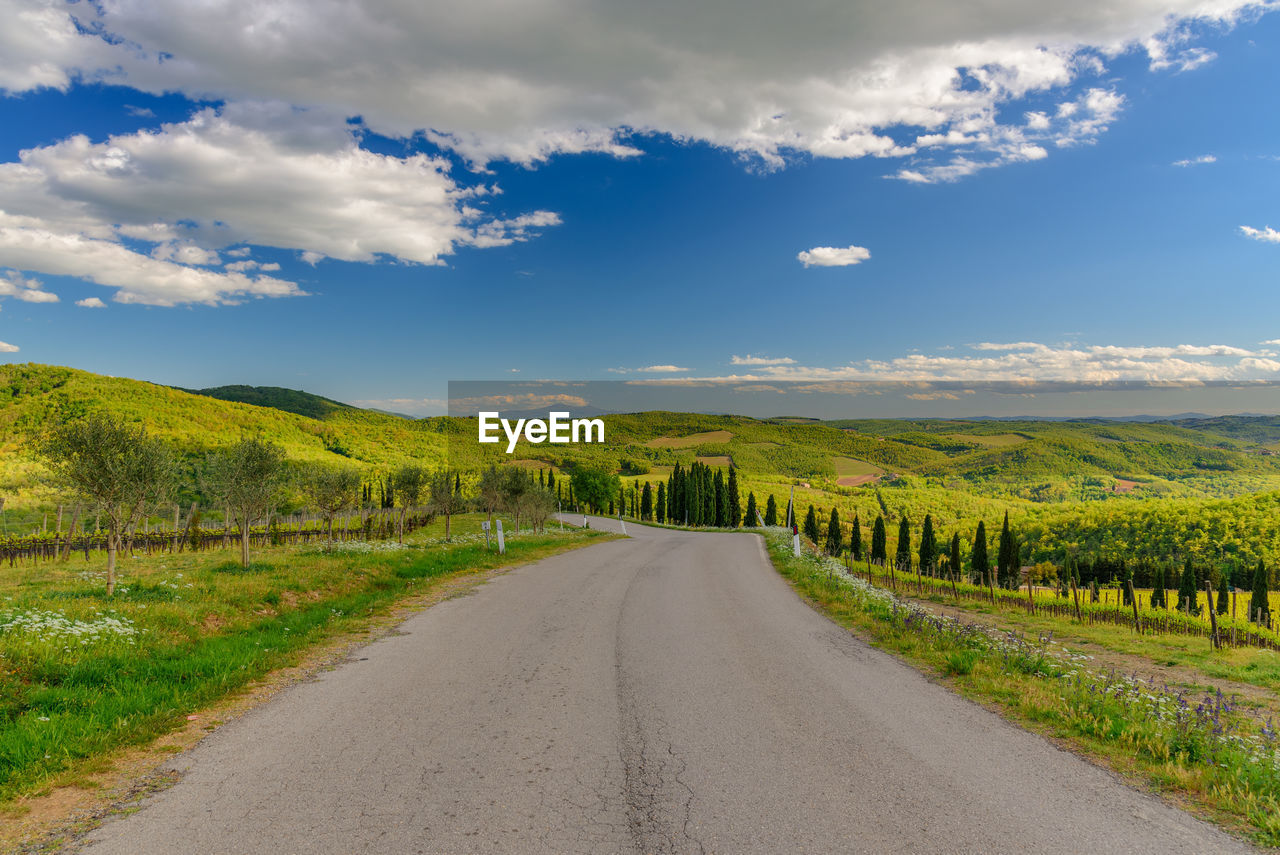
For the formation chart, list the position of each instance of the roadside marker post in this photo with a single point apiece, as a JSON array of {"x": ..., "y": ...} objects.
[
  {"x": 502, "y": 541},
  {"x": 485, "y": 525}
]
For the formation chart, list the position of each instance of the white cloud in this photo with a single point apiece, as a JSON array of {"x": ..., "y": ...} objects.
[
  {"x": 761, "y": 360},
  {"x": 1196, "y": 161},
  {"x": 91, "y": 303},
  {"x": 14, "y": 284},
  {"x": 1267, "y": 235},
  {"x": 831, "y": 256},
  {"x": 249, "y": 174},
  {"x": 493, "y": 79},
  {"x": 650, "y": 369},
  {"x": 1033, "y": 361},
  {"x": 5, "y": 347}
]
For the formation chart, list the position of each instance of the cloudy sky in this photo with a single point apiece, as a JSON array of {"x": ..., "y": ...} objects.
[{"x": 367, "y": 200}]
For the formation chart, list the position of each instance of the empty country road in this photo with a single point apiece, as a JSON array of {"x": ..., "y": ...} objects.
[{"x": 663, "y": 693}]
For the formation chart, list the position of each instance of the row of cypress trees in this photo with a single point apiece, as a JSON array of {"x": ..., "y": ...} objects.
[{"x": 701, "y": 496}]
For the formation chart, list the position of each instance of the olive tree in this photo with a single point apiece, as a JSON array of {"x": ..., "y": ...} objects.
[
  {"x": 248, "y": 478},
  {"x": 491, "y": 490},
  {"x": 445, "y": 500},
  {"x": 118, "y": 468},
  {"x": 331, "y": 489},
  {"x": 409, "y": 481}
]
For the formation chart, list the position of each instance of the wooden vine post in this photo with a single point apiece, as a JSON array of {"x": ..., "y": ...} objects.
[
  {"x": 1075, "y": 593},
  {"x": 1213, "y": 615},
  {"x": 1133, "y": 600}
]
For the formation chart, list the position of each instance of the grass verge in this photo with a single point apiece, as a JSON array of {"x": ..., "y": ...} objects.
[
  {"x": 82, "y": 676},
  {"x": 1208, "y": 751}
]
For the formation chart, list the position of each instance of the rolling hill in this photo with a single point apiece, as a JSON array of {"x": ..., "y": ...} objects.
[{"x": 1017, "y": 461}]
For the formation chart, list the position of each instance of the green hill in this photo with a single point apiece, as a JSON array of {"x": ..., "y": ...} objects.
[
  {"x": 289, "y": 400},
  {"x": 32, "y": 396},
  {"x": 1013, "y": 462}
]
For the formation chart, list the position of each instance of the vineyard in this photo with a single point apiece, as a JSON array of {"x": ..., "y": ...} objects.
[
  {"x": 290, "y": 531},
  {"x": 1112, "y": 607}
]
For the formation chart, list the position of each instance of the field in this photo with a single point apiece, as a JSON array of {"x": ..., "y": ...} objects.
[
  {"x": 711, "y": 436},
  {"x": 854, "y": 473},
  {"x": 82, "y": 676}
]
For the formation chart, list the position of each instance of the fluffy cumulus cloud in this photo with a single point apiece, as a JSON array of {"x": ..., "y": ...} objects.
[
  {"x": 523, "y": 81},
  {"x": 147, "y": 213},
  {"x": 91, "y": 303},
  {"x": 1266, "y": 235},
  {"x": 1032, "y": 361},
  {"x": 14, "y": 284},
  {"x": 5, "y": 347},
  {"x": 832, "y": 256}
]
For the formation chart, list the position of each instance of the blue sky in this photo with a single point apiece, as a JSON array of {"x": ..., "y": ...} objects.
[{"x": 1027, "y": 195}]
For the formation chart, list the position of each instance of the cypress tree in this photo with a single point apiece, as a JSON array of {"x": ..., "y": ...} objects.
[
  {"x": 928, "y": 546},
  {"x": 646, "y": 503},
  {"x": 722, "y": 500},
  {"x": 708, "y": 497},
  {"x": 457, "y": 483},
  {"x": 955, "y": 555},
  {"x": 902, "y": 557},
  {"x": 673, "y": 499},
  {"x": 855, "y": 539},
  {"x": 735, "y": 502},
  {"x": 749, "y": 518},
  {"x": 811, "y": 525},
  {"x": 542, "y": 479},
  {"x": 1224, "y": 592},
  {"x": 1187, "y": 589},
  {"x": 693, "y": 501},
  {"x": 661, "y": 506},
  {"x": 978, "y": 557},
  {"x": 771, "y": 511},
  {"x": 1259, "y": 607},
  {"x": 551, "y": 481},
  {"x": 1157, "y": 590},
  {"x": 879, "y": 548},
  {"x": 835, "y": 537},
  {"x": 1007, "y": 558}
]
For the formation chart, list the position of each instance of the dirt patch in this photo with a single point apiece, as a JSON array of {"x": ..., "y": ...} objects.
[
  {"x": 1123, "y": 486},
  {"x": 856, "y": 480}
]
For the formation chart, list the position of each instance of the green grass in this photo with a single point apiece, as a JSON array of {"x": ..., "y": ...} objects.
[
  {"x": 186, "y": 630},
  {"x": 1101, "y": 714}
]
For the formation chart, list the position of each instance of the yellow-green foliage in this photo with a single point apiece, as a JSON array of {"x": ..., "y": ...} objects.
[{"x": 32, "y": 396}]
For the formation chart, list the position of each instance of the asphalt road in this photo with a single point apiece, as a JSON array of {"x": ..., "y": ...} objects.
[{"x": 665, "y": 693}]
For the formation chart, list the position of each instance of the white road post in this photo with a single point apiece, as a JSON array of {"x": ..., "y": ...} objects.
[
  {"x": 795, "y": 544},
  {"x": 502, "y": 541},
  {"x": 560, "y": 514},
  {"x": 484, "y": 524}
]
